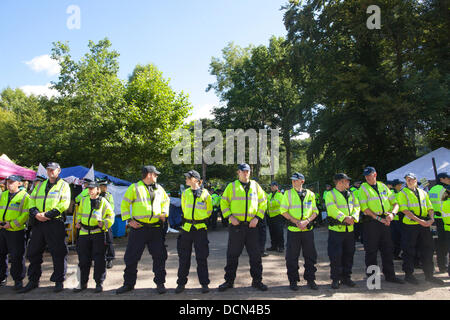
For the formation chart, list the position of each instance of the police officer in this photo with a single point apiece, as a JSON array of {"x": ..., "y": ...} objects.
[
  {"x": 328, "y": 188},
  {"x": 380, "y": 207},
  {"x": 48, "y": 203},
  {"x": 299, "y": 208},
  {"x": 196, "y": 204},
  {"x": 149, "y": 209},
  {"x": 396, "y": 225},
  {"x": 14, "y": 205},
  {"x": 342, "y": 212},
  {"x": 275, "y": 220},
  {"x": 83, "y": 193},
  {"x": 110, "y": 252},
  {"x": 216, "y": 208},
  {"x": 445, "y": 213},
  {"x": 244, "y": 203},
  {"x": 94, "y": 217},
  {"x": 357, "y": 227},
  {"x": 435, "y": 195},
  {"x": 417, "y": 208}
]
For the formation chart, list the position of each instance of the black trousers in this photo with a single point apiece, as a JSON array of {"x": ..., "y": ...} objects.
[
  {"x": 185, "y": 241},
  {"x": 447, "y": 239},
  {"x": 396, "y": 236},
  {"x": 358, "y": 229},
  {"x": 441, "y": 248},
  {"x": 377, "y": 237},
  {"x": 92, "y": 247},
  {"x": 52, "y": 234},
  {"x": 420, "y": 237},
  {"x": 238, "y": 237},
  {"x": 138, "y": 239},
  {"x": 297, "y": 241},
  {"x": 212, "y": 221},
  {"x": 262, "y": 230},
  {"x": 110, "y": 252},
  {"x": 12, "y": 243},
  {"x": 276, "y": 225},
  {"x": 341, "y": 249}
]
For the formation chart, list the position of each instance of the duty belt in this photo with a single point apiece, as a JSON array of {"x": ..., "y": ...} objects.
[
  {"x": 152, "y": 225},
  {"x": 291, "y": 224},
  {"x": 335, "y": 222},
  {"x": 194, "y": 221},
  {"x": 241, "y": 223},
  {"x": 90, "y": 228}
]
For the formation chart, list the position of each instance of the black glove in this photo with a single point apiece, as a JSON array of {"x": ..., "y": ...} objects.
[
  {"x": 33, "y": 212},
  {"x": 52, "y": 213}
]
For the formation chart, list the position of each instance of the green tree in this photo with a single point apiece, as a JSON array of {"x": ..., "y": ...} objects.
[
  {"x": 259, "y": 92},
  {"x": 154, "y": 111},
  {"x": 369, "y": 90}
]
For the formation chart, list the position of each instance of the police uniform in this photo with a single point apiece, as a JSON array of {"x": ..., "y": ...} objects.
[
  {"x": 245, "y": 202},
  {"x": 216, "y": 208},
  {"x": 396, "y": 226},
  {"x": 13, "y": 210},
  {"x": 197, "y": 208},
  {"x": 54, "y": 200},
  {"x": 445, "y": 213},
  {"x": 300, "y": 206},
  {"x": 341, "y": 240},
  {"x": 435, "y": 195},
  {"x": 110, "y": 252},
  {"x": 377, "y": 236},
  {"x": 357, "y": 226},
  {"x": 415, "y": 235},
  {"x": 275, "y": 220},
  {"x": 148, "y": 203},
  {"x": 91, "y": 244}
]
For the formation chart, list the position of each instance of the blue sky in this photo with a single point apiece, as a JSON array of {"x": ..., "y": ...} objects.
[{"x": 179, "y": 37}]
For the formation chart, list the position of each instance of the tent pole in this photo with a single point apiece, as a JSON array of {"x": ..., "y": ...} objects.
[{"x": 435, "y": 170}]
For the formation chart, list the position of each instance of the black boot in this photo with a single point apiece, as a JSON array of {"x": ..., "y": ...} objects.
[
  {"x": 124, "y": 288},
  {"x": 30, "y": 286},
  {"x": 226, "y": 285},
  {"x": 59, "y": 286},
  {"x": 259, "y": 285},
  {"x": 81, "y": 288}
]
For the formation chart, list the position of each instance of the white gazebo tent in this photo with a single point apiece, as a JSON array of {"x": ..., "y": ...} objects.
[{"x": 423, "y": 166}]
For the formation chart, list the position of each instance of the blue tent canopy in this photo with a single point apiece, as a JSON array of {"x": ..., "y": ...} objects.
[{"x": 80, "y": 172}]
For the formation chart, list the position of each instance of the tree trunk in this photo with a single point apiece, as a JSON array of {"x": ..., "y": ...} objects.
[{"x": 287, "y": 144}]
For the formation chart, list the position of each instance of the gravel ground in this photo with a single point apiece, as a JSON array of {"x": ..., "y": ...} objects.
[{"x": 274, "y": 276}]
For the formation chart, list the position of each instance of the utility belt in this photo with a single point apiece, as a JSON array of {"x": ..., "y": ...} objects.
[
  {"x": 191, "y": 221},
  {"x": 424, "y": 218},
  {"x": 241, "y": 223},
  {"x": 90, "y": 228},
  {"x": 33, "y": 221},
  {"x": 157, "y": 224},
  {"x": 401, "y": 215},
  {"x": 335, "y": 222},
  {"x": 308, "y": 226},
  {"x": 366, "y": 218},
  {"x": 382, "y": 216}
]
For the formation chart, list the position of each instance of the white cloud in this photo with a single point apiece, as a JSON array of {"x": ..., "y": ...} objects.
[
  {"x": 44, "y": 63},
  {"x": 44, "y": 90}
]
